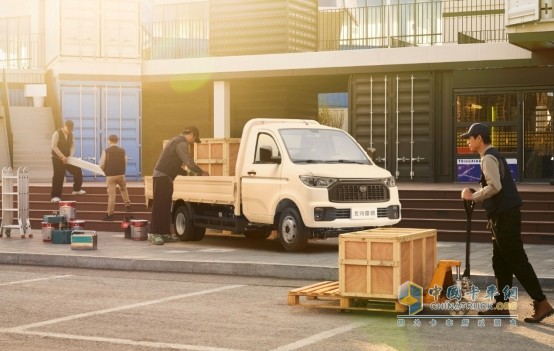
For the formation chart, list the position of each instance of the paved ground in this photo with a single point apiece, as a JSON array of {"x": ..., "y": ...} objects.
[
  {"x": 67, "y": 309},
  {"x": 234, "y": 255}
]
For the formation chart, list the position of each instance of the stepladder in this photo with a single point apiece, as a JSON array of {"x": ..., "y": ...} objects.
[{"x": 15, "y": 202}]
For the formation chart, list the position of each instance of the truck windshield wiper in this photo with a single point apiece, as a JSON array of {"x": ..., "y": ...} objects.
[
  {"x": 345, "y": 161},
  {"x": 308, "y": 161}
]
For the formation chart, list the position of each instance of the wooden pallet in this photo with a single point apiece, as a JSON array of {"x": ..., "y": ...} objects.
[{"x": 326, "y": 295}]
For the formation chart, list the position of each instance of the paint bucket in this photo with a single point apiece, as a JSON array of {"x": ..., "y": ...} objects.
[
  {"x": 76, "y": 224},
  {"x": 139, "y": 229},
  {"x": 68, "y": 209},
  {"x": 47, "y": 231},
  {"x": 126, "y": 226}
]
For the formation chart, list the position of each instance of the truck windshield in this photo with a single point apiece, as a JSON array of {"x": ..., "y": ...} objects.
[{"x": 322, "y": 146}]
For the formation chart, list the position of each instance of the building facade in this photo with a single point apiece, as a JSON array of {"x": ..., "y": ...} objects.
[{"x": 416, "y": 73}]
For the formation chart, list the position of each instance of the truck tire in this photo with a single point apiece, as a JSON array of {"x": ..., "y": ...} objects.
[
  {"x": 292, "y": 232},
  {"x": 258, "y": 233},
  {"x": 184, "y": 227}
]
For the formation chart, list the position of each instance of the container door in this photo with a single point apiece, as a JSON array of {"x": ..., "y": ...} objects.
[{"x": 99, "y": 111}]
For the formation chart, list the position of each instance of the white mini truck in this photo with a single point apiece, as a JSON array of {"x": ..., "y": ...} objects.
[{"x": 297, "y": 177}]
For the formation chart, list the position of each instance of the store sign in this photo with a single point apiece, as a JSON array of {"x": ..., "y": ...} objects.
[{"x": 468, "y": 170}]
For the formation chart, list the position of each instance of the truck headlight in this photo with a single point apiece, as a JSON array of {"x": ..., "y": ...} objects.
[
  {"x": 317, "y": 182},
  {"x": 390, "y": 181}
]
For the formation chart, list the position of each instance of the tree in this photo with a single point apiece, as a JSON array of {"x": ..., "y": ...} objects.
[{"x": 330, "y": 117}]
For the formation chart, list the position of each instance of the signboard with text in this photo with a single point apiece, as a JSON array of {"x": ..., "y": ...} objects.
[{"x": 468, "y": 170}]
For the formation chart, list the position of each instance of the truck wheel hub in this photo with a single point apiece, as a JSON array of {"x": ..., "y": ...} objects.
[{"x": 289, "y": 229}]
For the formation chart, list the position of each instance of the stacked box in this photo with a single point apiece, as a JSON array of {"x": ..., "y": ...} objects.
[
  {"x": 84, "y": 240},
  {"x": 375, "y": 263},
  {"x": 62, "y": 236},
  {"x": 55, "y": 219}
]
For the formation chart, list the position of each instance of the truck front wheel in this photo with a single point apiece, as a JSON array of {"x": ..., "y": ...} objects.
[
  {"x": 293, "y": 234},
  {"x": 184, "y": 226}
]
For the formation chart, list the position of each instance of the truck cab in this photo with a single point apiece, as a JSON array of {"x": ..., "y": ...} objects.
[{"x": 311, "y": 180}]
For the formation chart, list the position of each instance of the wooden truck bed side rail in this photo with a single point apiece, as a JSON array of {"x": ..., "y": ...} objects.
[{"x": 219, "y": 190}]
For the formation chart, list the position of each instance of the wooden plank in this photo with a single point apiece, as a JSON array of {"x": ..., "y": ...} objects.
[
  {"x": 326, "y": 295},
  {"x": 308, "y": 287}
]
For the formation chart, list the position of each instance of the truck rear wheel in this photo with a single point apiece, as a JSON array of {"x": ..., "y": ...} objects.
[
  {"x": 293, "y": 234},
  {"x": 184, "y": 225}
]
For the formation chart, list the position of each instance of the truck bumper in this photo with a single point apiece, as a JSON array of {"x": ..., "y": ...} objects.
[{"x": 363, "y": 215}]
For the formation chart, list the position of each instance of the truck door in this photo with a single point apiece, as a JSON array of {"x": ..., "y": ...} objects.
[{"x": 261, "y": 179}]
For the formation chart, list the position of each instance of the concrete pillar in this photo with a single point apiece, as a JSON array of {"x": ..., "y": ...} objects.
[{"x": 222, "y": 109}]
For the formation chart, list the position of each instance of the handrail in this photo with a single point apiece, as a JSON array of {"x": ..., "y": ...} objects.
[
  {"x": 52, "y": 99},
  {"x": 6, "y": 103}
]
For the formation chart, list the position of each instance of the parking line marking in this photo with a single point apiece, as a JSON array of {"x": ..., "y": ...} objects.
[
  {"x": 159, "y": 345},
  {"x": 35, "y": 280},
  {"x": 319, "y": 337},
  {"x": 120, "y": 308}
]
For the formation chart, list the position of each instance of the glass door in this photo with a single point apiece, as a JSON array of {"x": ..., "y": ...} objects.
[
  {"x": 538, "y": 148},
  {"x": 500, "y": 113}
]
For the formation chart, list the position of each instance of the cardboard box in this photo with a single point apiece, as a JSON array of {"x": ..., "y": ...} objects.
[
  {"x": 61, "y": 236},
  {"x": 84, "y": 240},
  {"x": 374, "y": 263}
]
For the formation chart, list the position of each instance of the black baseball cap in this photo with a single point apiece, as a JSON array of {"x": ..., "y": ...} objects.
[
  {"x": 194, "y": 131},
  {"x": 477, "y": 129}
]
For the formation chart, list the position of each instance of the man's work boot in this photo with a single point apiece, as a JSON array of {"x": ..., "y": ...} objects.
[
  {"x": 157, "y": 239},
  {"x": 169, "y": 238},
  {"x": 495, "y": 311},
  {"x": 541, "y": 310}
]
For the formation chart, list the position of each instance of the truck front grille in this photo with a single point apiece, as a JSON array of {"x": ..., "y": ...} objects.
[{"x": 358, "y": 192}]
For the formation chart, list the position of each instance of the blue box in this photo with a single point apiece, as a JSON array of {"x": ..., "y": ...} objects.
[{"x": 61, "y": 236}]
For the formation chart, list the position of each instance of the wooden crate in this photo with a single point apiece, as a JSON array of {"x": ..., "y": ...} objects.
[
  {"x": 374, "y": 263},
  {"x": 217, "y": 156}
]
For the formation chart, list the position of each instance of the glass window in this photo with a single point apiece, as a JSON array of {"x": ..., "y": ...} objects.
[
  {"x": 266, "y": 144},
  {"x": 498, "y": 111},
  {"x": 322, "y": 146},
  {"x": 538, "y": 149},
  {"x": 486, "y": 108}
]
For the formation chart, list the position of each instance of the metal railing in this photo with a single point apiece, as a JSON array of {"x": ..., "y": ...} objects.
[
  {"x": 21, "y": 51},
  {"x": 386, "y": 26}
]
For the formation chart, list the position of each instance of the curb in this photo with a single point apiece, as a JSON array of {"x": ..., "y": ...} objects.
[
  {"x": 196, "y": 267},
  {"x": 263, "y": 270}
]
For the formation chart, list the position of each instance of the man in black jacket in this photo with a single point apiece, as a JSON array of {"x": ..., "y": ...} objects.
[
  {"x": 174, "y": 154},
  {"x": 502, "y": 202},
  {"x": 113, "y": 161},
  {"x": 63, "y": 146}
]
